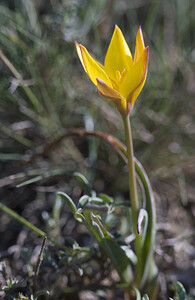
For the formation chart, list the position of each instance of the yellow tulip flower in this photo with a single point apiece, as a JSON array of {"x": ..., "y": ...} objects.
[{"x": 122, "y": 78}]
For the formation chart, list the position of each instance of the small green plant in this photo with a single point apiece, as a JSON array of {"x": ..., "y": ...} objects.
[
  {"x": 120, "y": 80},
  {"x": 12, "y": 287}
]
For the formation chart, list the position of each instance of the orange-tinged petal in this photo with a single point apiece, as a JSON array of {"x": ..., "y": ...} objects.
[
  {"x": 136, "y": 93},
  {"x": 112, "y": 95},
  {"x": 139, "y": 48},
  {"x": 135, "y": 75},
  {"x": 107, "y": 91},
  {"x": 118, "y": 56},
  {"x": 80, "y": 55},
  {"x": 93, "y": 68}
]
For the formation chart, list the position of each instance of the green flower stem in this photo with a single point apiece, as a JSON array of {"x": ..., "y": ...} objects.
[{"x": 133, "y": 196}]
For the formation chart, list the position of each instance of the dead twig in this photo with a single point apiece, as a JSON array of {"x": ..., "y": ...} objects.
[{"x": 38, "y": 264}]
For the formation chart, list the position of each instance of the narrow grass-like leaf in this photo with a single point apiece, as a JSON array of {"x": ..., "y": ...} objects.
[
  {"x": 29, "y": 181},
  {"x": 32, "y": 227},
  {"x": 45, "y": 174},
  {"x": 19, "y": 138},
  {"x": 26, "y": 89}
]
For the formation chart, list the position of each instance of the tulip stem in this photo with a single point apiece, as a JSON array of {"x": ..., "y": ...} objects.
[{"x": 133, "y": 196}]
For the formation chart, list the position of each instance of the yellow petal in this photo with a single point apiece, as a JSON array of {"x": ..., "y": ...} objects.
[
  {"x": 81, "y": 59},
  {"x": 135, "y": 75},
  {"x": 93, "y": 68},
  {"x": 139, "y": 48},
  {"x": 136, "y": 93},
  {"x": 118, "y": 56},
  {"x": 80, "y": 55},
  {"x": 112, "y": 95}
]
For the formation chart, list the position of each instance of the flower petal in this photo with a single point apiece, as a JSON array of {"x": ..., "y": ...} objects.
[
  {"x": 139, "y": 48},
  {"x": 80, "y": 55},
  {"x": 135, "y": 75},
  {"x": 118, "y": 56},
  {"x": 112, "y": 95},
  {"x": 136, "y": 93},
  {"x": 93, "y": 68}
]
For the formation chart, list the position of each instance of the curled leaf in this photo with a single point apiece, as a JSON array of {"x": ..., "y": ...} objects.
[
  {"x": 68, "y": 201},
  {"x": 142, "y": 214},
  {"x": 84, "y": 183},
  {"x": 83, "y": 201},
  {"x": 180, "y": 290}
]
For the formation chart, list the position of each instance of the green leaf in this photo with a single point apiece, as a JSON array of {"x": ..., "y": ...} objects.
[
  {"x": 106, "y": 198},
  {"x": 40, "y": 293},
  {"x": 96, "y": 200},
  {"x": 142, "y": 215},
  {"x": 79, "y": 217},
  {"x": 118, "y": 257},
  {"x": 96, "y": 220},
  {"x": 84, "y": 183},
  {"x": 149, "y": 267},
  {"x": 130, "y": 254},
  {"x": 180, "y": 290},
  {"x": 112, "y": 249},
  {"x": 44, "y": 174},
  {"x": 145, "y": 297},
  {"x": 83, "y": 201},
  {"x": 137, "y": 294},
  {"x": 81, "y": 178},
  {"x": 68, "y": 201}
]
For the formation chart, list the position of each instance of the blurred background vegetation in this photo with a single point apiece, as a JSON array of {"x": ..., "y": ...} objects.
[{"x": 44, "y": 91}]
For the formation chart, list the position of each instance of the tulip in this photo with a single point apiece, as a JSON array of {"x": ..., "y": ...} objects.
[{"x": 122, "y": 77}]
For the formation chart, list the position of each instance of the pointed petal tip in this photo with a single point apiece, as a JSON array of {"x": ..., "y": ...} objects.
[
  {"x": 77, "y": 44},
  {"x": 140, "y": 32},
  {"x": 117, "y": 29},
  {"x": 100, "y": 80}
]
